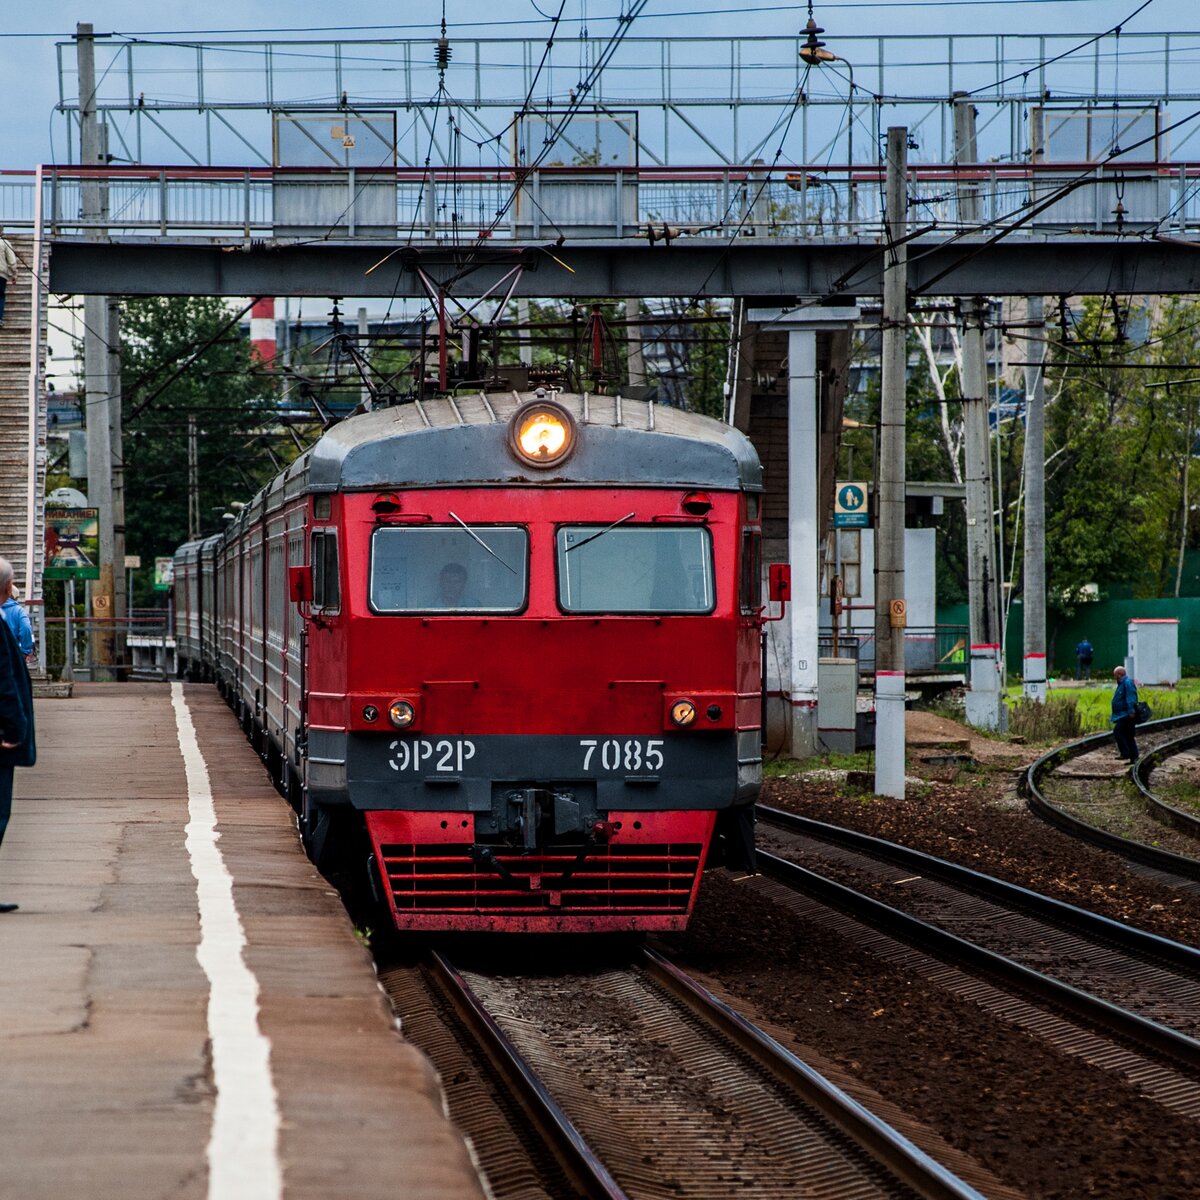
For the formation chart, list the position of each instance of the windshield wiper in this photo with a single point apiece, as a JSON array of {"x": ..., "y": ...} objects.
[
  {"x": 483, "y": 543},
  {"x": 599, "y": 532}
]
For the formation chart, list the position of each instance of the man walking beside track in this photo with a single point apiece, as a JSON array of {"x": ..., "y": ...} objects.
[
  {"x": 17, "y": 745},
  {"x": 1124, "y": 705}
]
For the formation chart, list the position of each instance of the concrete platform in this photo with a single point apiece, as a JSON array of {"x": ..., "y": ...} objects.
[{"x": 118, "y": 1076}]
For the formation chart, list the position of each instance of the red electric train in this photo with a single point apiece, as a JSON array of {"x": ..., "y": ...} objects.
[{"x": 519, "y": 635}]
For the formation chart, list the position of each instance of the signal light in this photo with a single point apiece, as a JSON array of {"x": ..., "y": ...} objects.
[
  {"x": 370, "y": 712},
  {"x": 542, "y": 434},
  {"x": 683, "y": 713},
  {"x": 401, "y": 714}
]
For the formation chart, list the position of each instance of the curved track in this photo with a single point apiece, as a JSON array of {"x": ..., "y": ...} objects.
[
  {"x": 643, "y": 1084},
  {"x": 1184, "y": 866},
  {"x": 1181, "y": 819},
  {"x": 1142, "y": 990}
]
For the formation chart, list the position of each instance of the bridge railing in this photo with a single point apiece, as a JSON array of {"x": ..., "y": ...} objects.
[{"x": 830, "y": 202}]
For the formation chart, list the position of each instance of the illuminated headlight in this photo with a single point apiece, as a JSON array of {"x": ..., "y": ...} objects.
[
  {"x": 543, "y": 434},
  {"x": 683, "y": 713},
  {"x": 402, "y": 714}
]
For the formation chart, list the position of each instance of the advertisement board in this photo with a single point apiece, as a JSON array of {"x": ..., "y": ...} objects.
[
  {"x": 164, "y": 574},
  {"x": 72, "y": 543}
]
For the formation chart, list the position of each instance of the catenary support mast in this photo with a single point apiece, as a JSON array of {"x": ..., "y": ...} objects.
[
  {"x": 1034, "y": 588},
  {"x": 890, "y": 609}
]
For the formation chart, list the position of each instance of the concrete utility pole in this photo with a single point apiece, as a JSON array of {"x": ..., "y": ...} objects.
[
  {"x": 1034, "y": 589},
  {"x": 101, "y": 339},
  {"x": 985, "y": 706},
  {"x": 193, "y": 479},
  {"x": 633, "y": 341},
  {"x": 364, "y": 329},
  {"x": 890, "y": 607},
  {"x": 524, "y": 338}
]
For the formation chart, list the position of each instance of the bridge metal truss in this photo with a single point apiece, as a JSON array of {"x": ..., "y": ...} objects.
[
  {"x": 700, "y": 100},
  {"x": 1079, "y": 185}
]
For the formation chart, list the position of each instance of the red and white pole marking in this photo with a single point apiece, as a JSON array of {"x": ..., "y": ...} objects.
[{"x": 262, "y": 329}]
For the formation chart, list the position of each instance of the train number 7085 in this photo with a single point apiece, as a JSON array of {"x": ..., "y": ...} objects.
[{"x": 629, "y": 754}]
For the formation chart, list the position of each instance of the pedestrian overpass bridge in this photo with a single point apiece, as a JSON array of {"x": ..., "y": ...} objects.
[{"x": 1115, "y": 227}]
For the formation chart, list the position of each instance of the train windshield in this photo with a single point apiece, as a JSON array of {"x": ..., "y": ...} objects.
[
  {"x": 450, "y": 569},
  {"x": 619, "y": 568}
]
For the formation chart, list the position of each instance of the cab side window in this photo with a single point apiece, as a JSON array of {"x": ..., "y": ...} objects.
[
  {"x": 326, "y": 589},
  {"x": 751, "y": 577}
]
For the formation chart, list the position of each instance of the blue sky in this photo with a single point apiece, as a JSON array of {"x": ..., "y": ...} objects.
[{"x": 28, "y": 72}]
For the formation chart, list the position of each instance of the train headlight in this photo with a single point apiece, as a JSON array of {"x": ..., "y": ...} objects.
[
  {"x": 401, "y": 714},
  {"x": 683, "y": 713},
  {"x": 542, "y": 434}
]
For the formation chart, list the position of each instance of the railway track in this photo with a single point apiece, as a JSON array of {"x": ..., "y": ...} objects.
[
  {"x": 1130, "y": 1000},
  {"x": 640, "y": 1083},
  {"x": 1080, "y": 789},
  {"x": 1187, "y": 821}
]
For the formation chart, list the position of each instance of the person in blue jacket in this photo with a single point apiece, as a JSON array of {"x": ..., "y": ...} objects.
[
  {"x": 1083, "y": 660},
  {"x": 18, "y": 747},
  {"x": 1124, "y": 702},
  {"x": 14, "y": 613}
]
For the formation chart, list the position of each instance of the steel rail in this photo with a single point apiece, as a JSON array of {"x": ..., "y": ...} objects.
[
  {"x": 1178, "y": 1048},
  {"x": 1054, "y": 912},
  {"x": 585, "y": 1170},
  {"x": 1031, "y": 780},
  {"x": 889, "y": 1148},
  {"x": 1183, "y": 820}
]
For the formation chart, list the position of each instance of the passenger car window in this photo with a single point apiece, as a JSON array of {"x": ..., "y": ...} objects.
[
  {"x": 638, "y": 569},
  {"x": 441, "y": 568}
]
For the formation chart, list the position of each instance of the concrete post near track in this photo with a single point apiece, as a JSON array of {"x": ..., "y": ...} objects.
[
  {"x": 799, "y": 677},
  {"x": 890, "y": 608},
  {"x": 1033, "y": 592}
]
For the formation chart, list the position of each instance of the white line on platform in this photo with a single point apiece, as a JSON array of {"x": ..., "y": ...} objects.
[{"x": 243, "y": 1148}]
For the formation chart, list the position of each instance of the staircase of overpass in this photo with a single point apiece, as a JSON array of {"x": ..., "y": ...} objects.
[{"x": 22, "y": 425}]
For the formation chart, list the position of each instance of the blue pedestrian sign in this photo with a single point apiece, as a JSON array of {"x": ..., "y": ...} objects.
[{"x": 850, "y": 507}]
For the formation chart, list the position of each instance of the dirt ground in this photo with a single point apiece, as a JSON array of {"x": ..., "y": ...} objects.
[
  {"x": 1045, "y": 1123},
  {"x": 971, "y": 813},
  {"x": 926, "y": 732}
]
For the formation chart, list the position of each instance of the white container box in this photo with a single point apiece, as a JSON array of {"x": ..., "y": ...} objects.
[{"x": 1153, "y": 656}]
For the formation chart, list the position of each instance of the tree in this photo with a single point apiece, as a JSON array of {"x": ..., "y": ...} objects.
[
  {"x": 1117, "y": 444},
  {"x": 933, "y": 435},
  {"x": 230, "y": 397}
]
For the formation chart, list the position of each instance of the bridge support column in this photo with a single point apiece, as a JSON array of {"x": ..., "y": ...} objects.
[{"x": 799, "y": 674}]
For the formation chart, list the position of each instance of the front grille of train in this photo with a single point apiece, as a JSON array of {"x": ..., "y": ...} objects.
[{"x": 642, "y": 878}]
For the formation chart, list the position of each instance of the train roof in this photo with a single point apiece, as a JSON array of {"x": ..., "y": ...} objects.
[{"x": 456, "y": 439}]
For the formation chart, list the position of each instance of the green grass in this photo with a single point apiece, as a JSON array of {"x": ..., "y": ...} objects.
[
  {"x": 779, "y": 768},
  {"x": 1094, "y": 703}
]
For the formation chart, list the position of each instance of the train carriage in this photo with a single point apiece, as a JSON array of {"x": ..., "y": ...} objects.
[{"x": 519, "y": 638}]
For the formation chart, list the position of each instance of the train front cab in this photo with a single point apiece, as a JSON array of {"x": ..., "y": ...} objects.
[{"x": 542, "y": 698}]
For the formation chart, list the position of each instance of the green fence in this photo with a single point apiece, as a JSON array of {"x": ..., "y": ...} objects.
[{"x": 1104, "y": 624}]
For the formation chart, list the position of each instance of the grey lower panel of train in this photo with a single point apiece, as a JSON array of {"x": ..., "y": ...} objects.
[{"x": 589, "y": 776}]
